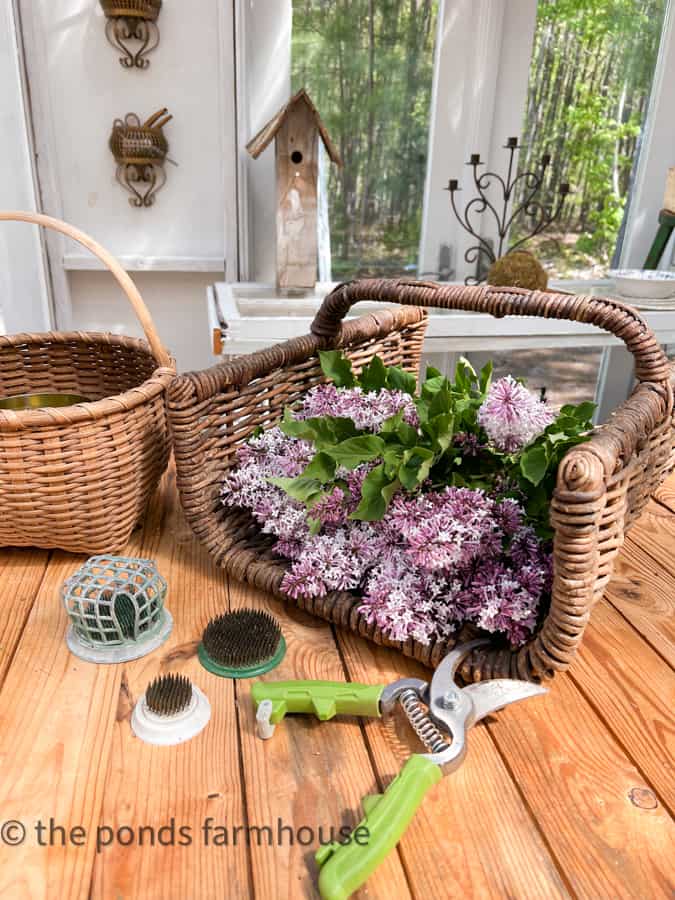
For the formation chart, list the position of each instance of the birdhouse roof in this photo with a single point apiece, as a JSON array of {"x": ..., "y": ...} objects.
[{"x": 258, "y": 143}]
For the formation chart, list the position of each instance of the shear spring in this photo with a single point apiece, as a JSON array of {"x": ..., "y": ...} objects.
[{"x": 424, "y": 728}]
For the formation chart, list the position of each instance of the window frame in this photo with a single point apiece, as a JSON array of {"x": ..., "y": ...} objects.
[{"x": 481, "y": 68}]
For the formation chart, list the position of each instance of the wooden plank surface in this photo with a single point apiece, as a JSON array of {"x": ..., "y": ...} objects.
[
  {"x": 310, "y": 773},
  {"x": 473, "y": 834},
  {"x": 21, "y": 572},
  {"x": 180, "y": 787},
  {"x": 633, "y": 692},
  {"x": 565, "y": 795},
  {"x": 610, "y": 835},
  {"x": 55, "y": 739},
  {"x": 643, "y": 584}
]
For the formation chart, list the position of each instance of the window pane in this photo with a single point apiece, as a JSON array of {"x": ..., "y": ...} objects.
[
  {"x": 368, "y": 68},
  {"x": 592, "y": 67}
]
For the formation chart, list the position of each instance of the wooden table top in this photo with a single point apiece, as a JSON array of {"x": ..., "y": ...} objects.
[{"x": 567, "y": 795}]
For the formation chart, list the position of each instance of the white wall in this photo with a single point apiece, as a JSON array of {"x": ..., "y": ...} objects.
[
  {"x": 176, "y": 300},
  {"x": 24, "y": 295},
  {"x": 78, "y": 88}
]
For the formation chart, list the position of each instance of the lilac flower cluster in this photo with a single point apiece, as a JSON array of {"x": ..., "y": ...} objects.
[
  {"x": 367, "y": 409},
  {"x": 511, "y": 416},
  {"x": 437, "y": 558}
]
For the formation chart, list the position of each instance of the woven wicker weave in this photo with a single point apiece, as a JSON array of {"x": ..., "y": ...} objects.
[
  {"x": 78, "y": 477},
  {"x": 142, "y": 9},
  {"x": 602, "y": 485},
  {"x": 135, "y": 144}
]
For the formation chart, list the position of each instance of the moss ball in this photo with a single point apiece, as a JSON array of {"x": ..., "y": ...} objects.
[{"x": 518, "y": 269}]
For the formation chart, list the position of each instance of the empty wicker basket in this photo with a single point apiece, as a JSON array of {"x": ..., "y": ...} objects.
[
  {"x": 602, "y": 484},
  {"x": 78, "y": 477}
]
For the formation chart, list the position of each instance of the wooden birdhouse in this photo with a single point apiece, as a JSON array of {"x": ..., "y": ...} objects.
[{"x": 296, "y": 130}]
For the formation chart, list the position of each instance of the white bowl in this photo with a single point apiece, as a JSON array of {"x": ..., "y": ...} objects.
[{"x": 647, "y": 284}]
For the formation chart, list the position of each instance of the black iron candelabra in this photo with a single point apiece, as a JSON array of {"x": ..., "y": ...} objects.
[{"x": 541, "y": 214}]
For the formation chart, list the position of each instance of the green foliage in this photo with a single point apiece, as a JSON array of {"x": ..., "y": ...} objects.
[
  {"x": 590, "y": 77},
  {"x": 368, "y": 67},
  {"x": 408, "y": 457},
  {"x": 539, "y": 462}
]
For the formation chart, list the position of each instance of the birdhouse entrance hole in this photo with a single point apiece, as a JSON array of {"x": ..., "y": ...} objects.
[{"x": 296, "y": 157}]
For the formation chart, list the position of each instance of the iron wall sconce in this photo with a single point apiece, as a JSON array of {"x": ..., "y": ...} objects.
[
  {"x": 132, "y": 22},
  {"x": 140, "y": 151}
]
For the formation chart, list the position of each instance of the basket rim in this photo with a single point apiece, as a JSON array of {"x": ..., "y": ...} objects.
[{"x": 152, "y": 387}]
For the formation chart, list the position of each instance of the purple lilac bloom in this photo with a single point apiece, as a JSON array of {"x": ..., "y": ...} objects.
[
  {"x": 468, "y": 444},
  {"x": 496, "y": 600},
  {"x": 511, "y": 416},
  {"x": 437, "y": 559},
  {"x": 367, "y": 410}
]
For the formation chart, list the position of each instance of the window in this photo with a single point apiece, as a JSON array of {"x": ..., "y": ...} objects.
[
  {"x": 368, "y": 67},
  {"x": 590, "y": 78}
]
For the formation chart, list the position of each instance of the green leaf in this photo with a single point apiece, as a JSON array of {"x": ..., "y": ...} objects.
[
  {"x": 320, "y": 430},
  {"x": 314, "y": 525},
  {"x": 584, "y": 411},
  {"x": 354, "y": 451},
  {"x": 441, "y": 429},
  {"x": 301, "y": 488},
  {"x": 442, "y": 403},
  {"x": 322, "y": 467},
  {"x": 374, "y": 375},
  {"x": 432, "y": 385},
  {"x": 376, "y": 493},
  {"x": 533, "y": 464},
  {"x": 398, "y": 380},
  {"x": 432, "y": 372},
  {"x": 485, "y": 377},
  {"x": 465, "y": 374},
  {"x": 416, "y": 467},
  {"x": 393, "y": 457},
  {"x": 337, "y": 367}
]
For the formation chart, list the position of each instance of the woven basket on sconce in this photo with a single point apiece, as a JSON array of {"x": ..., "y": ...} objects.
[
  {"x": 139, "y": 9},
  {"x": 135, "y": 144}
]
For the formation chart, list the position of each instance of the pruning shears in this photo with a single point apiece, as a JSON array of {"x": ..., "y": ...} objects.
[{"x": 440, "y": 712}]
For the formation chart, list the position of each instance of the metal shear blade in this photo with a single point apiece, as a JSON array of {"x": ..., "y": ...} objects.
[{"x": 455, "y": 710}]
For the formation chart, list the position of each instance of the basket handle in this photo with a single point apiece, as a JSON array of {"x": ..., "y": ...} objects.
[
  {"x": 158, "y": 350},
  {"x": 651, "y": 363}
]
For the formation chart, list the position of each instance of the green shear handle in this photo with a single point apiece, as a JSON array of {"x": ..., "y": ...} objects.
[
  {"x": 450, "y": 712},
  {"x": 324, "y": 699},
  {"x": 345, "y": 867}
]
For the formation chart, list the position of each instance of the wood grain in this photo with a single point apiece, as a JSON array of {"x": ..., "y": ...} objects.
[
  {"x": 563, "y": 795},
  {"x": 633, "y": 692},
  {"x": 643, "y": 590},
  {"x": 609, "y": 833},
  {"x": 310, "y": 773},
  {"x": 21, "y": 572},
  {"x": 665, "y": 493},
  {"x": 155, "y": 787},
  {"x": 55, "y": 737},
  {"x": 473, "y": 835},
  {"x": 297, "y": 240}
]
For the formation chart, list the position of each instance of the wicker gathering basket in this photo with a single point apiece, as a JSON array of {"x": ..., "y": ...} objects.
[
  {"x": 78, "y": 477},
  {"x": 601, "y": 485}
]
